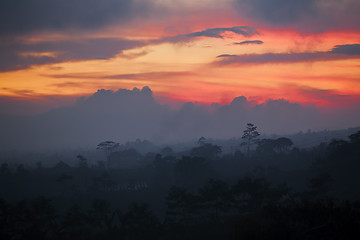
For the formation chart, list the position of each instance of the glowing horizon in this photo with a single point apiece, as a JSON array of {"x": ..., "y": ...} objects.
[{"x": 203, "y": 52}]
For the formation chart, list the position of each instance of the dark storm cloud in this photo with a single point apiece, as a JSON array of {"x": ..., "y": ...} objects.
[
  {"x": 26, "y": 16},
  {"x": 16, "y": 55},
  {"x": 338, "y": 52},
  {"x": 305, "y": 15},
  {"x": 249, "y": 42}
]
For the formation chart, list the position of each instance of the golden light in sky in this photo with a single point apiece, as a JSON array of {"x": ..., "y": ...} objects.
[{"x": 185, "y": 51}]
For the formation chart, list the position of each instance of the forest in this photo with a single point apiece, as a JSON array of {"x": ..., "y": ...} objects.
[{"x": 265, "y": 188}]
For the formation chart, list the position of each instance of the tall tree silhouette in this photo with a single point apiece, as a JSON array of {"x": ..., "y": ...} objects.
[
  {"x": 250, "y": 136},
  {"x": 283, "y": 144},
  {"x": 108, "y": 147},
  {"x": 215, "y": 197},
  {"x": 82, "y": 161}
]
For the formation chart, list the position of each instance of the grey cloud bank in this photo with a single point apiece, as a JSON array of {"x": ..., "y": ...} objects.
[
  {"x": 305, "y": 15},
  {"x": 130, "y": 114},
  {"x": 26, "y": 16}
]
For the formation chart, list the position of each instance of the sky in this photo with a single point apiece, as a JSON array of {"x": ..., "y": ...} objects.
[{"x": 302, "y": 52}]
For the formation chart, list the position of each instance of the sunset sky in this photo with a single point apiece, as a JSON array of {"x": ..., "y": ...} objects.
[{"x": 303, "y": 51}]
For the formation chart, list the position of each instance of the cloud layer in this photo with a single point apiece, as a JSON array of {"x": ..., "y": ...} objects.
[
  {"x": 18, "y": 55},
  {"x": 22, "y": 17},
  {"x": 305, "y": 15}
]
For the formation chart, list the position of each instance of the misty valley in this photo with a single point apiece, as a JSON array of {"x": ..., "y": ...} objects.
[{"x": 253, "y": 187}]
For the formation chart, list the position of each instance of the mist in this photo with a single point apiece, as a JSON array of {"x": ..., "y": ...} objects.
[{"x": 126, "y": 115}]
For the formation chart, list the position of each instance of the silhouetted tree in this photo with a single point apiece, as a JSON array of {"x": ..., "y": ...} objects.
[
  {"x": 266, "y": 147},
  {"x": 103, "y": 182},
  {"x": 4, "y": 168},
  {"x": 39, "y": 165},
  {"x": 101, "y": 165},
  {"x": 74, "y": 224},
  {"x": 283, "y": 144},
  {"x": 20, "y": 169},
  {"x": 139, "y": 222},
  {"x": 35, "y": 219},
  {"x": 108, "y": 147},
  {"x": 192, "y": 170},
  {"x": 250, "y": 193},
  {"x": 182, "y": 205},
  {"x": 215, "y": 196},
  {"x": 167, "y": 151},
  {"x": 164, "y": 166},
  {"x": 201, "y": 141},
  {"x": 100, "y": 215},
  {"x": 207, "y": 151},
  {"x": 355, "y": 138},
  {"x": 272, "y": 146},
  {"x": 82, "y": 161},
  {"x": 127, "y": 157},
  {"x": 64, "y": 180},
  {"x": 250, "y": 136},
  {"x": 319, "y": 185}
]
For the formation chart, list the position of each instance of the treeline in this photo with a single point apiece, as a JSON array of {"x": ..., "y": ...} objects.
[
  {"x": 249, "y": 209},
  {"x": 268, "y": 191}
]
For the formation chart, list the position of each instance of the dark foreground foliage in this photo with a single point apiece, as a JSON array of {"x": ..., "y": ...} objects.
[
  {"x": 272, "y": 192},
  {"x": 189, "y": 217}
]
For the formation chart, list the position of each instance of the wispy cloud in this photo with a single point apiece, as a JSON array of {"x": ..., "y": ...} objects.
[
  {"x": 210, "y": 32},
  {"x": 134, "y": 76},
  {"x": 249, "y": 42},
  {"x": 19, "y": 55},
  {"x": 339, "y": 52},
  {"x": 329, "y": 97}
]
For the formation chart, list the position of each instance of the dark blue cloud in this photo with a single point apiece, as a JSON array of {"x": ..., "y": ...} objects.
[
  {"x": 304, "y": 15},
  {"x": 216, "y": 32},
  {"x": 347, "y": 49},
  {"x": 210, "y": 32},
  {"x": 12, "y": 52},
  {"x": 26, "y": 16},
  {"x": 14, "y": 55},
  {"x": 133, "y": 76},
  {"x": 250, "y": 42},
  {"x": 279, "y": 11},
  {"x": 337, "y": 53},
  {"x": 226, "y": 55}
]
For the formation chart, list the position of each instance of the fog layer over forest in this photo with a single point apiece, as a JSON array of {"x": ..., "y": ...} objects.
[{"x": 130, "y": 114}]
